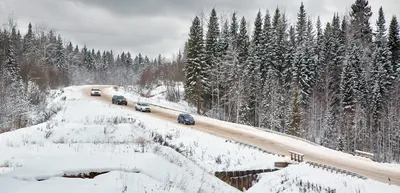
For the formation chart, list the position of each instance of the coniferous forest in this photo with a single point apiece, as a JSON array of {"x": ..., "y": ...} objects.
[
  {"x": 34, "y": 63},
  {"x": 336, "y": 83}
]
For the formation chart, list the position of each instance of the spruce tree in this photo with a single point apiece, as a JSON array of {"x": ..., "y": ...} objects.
[
  {"x": 225, "y": 59},
  {"x": 381, "y": 78},
  {"x": 301, "y": 25},
  {"x": 13, "y": 69},
  {"x": 360, "y": 14},
  {"x": 243, "y": 43},
  {"x": 196, "y": 82},
  {"x": 319, "y": 49},
  {"x": 233, "y": 31},
  {"x": 104, "y": 61},
  {"x": 280, "y": 48},
  {"x": 88, "y": 59},
  {"x": 394, "y": 46},
  {"x": 29, "y": 44},
  {"x": 291, "y": 68},
  {"x": 350, "y": 93},
  {"x": 212, "y": 57},
  {"x": 300, "y": 72},
  {"x": 129, "y": 60},
  {"x": 252, "y": 72},
  {"x": 60, "y": 58},
  {"x": 70, "y": 48},
  {"x": 268, "y": 59}
]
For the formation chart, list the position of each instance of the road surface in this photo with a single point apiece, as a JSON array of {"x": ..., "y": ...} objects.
[{"x": 383, "y": 174}]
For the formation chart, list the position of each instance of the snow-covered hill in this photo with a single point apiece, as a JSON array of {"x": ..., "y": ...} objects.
[{"x": 141, "y": 154}]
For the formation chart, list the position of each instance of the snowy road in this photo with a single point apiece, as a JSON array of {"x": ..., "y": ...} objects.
[{"x": 275, "y": 143}]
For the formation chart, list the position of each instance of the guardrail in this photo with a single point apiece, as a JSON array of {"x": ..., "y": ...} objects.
[
  {"x": 295, "y": 156},
  {"x": 335, "y": 170},
  {"x": 299, "y": 157}
]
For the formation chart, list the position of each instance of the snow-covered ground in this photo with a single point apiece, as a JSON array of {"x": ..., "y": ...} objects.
[{"x": 92, "y": 136}]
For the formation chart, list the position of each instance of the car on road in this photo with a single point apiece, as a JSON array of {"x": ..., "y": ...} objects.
[
  {"x": 144, "y": 107},
  {"x": 95, "y": 92},
  {"x": 186, "y": 119},
  {"x": 119, "y": 100}
]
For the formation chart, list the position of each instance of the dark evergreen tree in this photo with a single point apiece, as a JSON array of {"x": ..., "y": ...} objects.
[
  {"x": 233, "y": 31},
  {"x": 243, "y": 43},
  {"x": 360, "y": 26},
  {"x": 381, "y": 79},
  {"x": 29, "y": 44},
  {"x": 394, "y": 46},
  {"x": 301, "y": 25},
  {"x": 212, "y": 57},
  {"x": 301, "y": 71},
  {"x": 252, "y": 71},
  {"x": 13, "y": 69},
  {"x": 196, "y": 82},
  {"x": 60, "y": 58},
  {"x": 350, "y": 94}
]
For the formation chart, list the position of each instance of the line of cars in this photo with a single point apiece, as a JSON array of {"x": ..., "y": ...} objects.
[{"x": 183, "y": 118}]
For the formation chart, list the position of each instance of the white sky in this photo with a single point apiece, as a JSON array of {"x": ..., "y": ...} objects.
[{"x": 154, "y": 26}]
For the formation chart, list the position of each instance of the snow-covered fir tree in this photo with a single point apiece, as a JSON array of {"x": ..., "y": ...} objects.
[{"x": 196, "y": 69}]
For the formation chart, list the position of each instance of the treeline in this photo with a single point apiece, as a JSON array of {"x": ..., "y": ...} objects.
[
  {"x": 34, "y": 63},
  {"x": 336, "y": 83}
]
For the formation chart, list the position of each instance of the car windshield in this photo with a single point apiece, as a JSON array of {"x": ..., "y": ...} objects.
[
  {"x": 95, "y": 89},
  {"x": 144, "y": 104},
  {"x": 186, "y": 116},
  {"x": 120, "y": 97}
]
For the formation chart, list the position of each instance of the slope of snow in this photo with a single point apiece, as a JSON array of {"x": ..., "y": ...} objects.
[
  {"x": 301, "y": 178},
  {"x": 92, "y": 136}
]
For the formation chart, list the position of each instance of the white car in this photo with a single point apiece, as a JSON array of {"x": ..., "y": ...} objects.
[
  {"x": 144, "y": 107},
  {"x": 95, "y": 92}
]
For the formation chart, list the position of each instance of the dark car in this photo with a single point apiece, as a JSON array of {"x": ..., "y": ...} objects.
[
  {"x": 186, "y": 119},
  {"x": 119, "y": 100}
]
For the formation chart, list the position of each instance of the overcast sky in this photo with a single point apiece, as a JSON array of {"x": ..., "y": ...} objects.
[{"x": 153, "y": 26}]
